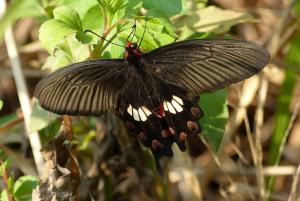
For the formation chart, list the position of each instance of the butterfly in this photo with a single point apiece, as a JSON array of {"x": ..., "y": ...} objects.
[{"x": 156, "y": 93}]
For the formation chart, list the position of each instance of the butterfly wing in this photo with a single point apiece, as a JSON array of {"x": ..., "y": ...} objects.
[
  {"x": 207, "y": 65},
  {"x": 86, "y": 88}
]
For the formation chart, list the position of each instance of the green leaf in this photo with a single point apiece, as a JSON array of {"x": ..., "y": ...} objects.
[
  {"x": 158, "y": 13},
  {"x": 79, "y": 52},
  {"x": 215, "y": 116},
  {"x": 213, "y": 19},
  {"x": 24, "y": 186},
  {"x": 297, "y": 7},
  {"x": 10, "y": 182},
  {"x": 285, "y": 95},
  {"x": 132, "y": 8},
  {"x": 7, "y": 118},
  {"x": 81, "y": 7},
  {"x": 4, "y": 196},
  {"x": 193, "y": 5},
  {"x": 282, "y": 114},
  {"x": 39, "y": 118},
  {"x": 87, "y": 139},
  {"x": 69, "y": 16},
  {"x": 52, "y": 32},
  {"x": 5, "y": 164},
  {"x": 66, "y": 22},
  {"x": 1, "y": 104},
  {"x": 17, "y": 9},
  {"x": 93, "y": 19},
  {"x": 112, "y": 7},
  {"x": 70, "y": 50},
  {"x": 201, "y": 3},
  {"x": 55, "y": 62},
  {"x": 205, "y": 35},
  {"x": 158, "y": 32},
  {"x": 113, "y": 51},
  {"x": 169, "y": 8},
  {"x": 121, "y": 9}
]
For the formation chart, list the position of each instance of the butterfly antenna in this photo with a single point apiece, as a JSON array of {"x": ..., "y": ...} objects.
[
  {"x": 103, "y": 38},
  {"x": 132, "y": 32},
  {"x": 144, "y": 31}
]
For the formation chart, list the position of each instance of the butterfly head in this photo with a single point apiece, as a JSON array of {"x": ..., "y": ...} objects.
[{"x": 132, "y": 50}]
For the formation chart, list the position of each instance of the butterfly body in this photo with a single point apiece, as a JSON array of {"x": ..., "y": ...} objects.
[
  {"x": 156, "y": 93},
  {"x": 152, "y": 110}
]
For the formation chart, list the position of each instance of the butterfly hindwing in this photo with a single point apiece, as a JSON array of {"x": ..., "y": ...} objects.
[{"x": 172, "y": 119}]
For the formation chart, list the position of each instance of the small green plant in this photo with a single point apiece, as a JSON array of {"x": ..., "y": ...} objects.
[{"x": 19, "y": 190}]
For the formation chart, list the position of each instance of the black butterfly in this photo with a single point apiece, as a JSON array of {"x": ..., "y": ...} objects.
[{"x": 155, "y": 93}]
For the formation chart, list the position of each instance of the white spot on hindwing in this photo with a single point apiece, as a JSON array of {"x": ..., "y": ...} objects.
[
  {"x": 142, "y": 113},
  {"x": 129, "y": 110},
  {"x": 170, "y": 107},
  {"x": 135, "y": 115},
  {"x": 165, "y": 106},
  {"x": 139, "y": 114},
  {"x": 174, "y": 106},
  {"x": 178, "y": 100},
  {"x": 147, "y": 112}
]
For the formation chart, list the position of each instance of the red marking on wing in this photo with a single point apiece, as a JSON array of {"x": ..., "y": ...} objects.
[{"x": 160, "y": 112}]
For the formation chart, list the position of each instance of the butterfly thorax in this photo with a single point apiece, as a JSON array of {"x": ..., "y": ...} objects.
[{"x": 132, "y": 53}]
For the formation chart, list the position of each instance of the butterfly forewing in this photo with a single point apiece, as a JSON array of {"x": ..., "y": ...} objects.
[
  {"x": 85, "y": 88},
  {"x": 207, "y": 65}
]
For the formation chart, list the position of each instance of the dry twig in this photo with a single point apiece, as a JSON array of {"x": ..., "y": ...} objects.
[{"x": 22, "y": 92}]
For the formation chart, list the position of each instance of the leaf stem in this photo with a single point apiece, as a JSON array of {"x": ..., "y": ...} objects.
[
  {"x": 5, "y": 179},
  {"x": 99, "y": 48}
]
